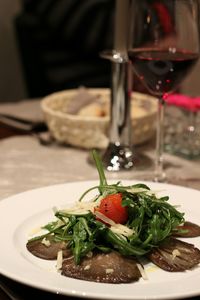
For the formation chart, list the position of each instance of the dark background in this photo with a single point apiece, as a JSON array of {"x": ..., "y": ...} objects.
[{"x": 59, "y": 42}]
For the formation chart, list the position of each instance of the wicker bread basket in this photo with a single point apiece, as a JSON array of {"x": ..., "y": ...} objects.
[{"x": 93, "y": 131}]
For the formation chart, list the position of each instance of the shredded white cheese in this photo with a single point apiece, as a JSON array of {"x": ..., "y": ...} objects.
[
  {"x": 137, "y": 190},
  {"x": 87, "y": 267},
  {"x": 103, "y": 218},
  {"x": 109, "y": 271},
  {"x": 60, "y": 223},
  {"x": 175, "y": 253},
  {"x": 122, "y": 229},
  {"x": 115, "y": 227},
  {"x": 59, "y": 260},
  {"x": 140, "y": 190},
  {"x": 142, "y": 272},
  {"x": 45, "y": 242},
  {"x": 81, "y": 208}
]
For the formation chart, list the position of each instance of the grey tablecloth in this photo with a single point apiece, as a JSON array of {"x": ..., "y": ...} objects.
[{"x": 26, "y": 164}]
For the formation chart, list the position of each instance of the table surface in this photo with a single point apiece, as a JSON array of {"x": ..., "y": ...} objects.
[{"x": 26, "y": 164}]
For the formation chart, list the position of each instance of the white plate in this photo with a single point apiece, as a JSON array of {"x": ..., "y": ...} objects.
[{"x": 21, "y": 213}]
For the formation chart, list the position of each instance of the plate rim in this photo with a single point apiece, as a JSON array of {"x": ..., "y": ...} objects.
[{"x": 90, "y": 295}]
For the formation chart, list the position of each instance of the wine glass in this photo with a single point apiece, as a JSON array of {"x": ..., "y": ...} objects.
[
  {"x": 120, "y": 153},
  {"x": 163, "y": 47}
]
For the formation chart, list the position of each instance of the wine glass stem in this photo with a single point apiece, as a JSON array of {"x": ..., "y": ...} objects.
[
  {"x": 159, "y": 170},
  {"x": 119, "y": 154},
  {"x": 120, "y": 131}
]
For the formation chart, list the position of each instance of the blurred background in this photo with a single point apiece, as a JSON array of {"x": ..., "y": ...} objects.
[{"x": 49, "y": 45}]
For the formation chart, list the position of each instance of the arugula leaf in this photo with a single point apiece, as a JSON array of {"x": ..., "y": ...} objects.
[{"x": 100, "y": 169}]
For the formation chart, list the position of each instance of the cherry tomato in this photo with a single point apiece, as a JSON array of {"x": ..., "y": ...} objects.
[{"x": 111, "y": 207}]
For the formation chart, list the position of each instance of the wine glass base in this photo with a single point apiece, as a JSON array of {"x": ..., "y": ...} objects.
[
  {"x": 160, "y": 178},
  {"x": 118, "y": 158}
]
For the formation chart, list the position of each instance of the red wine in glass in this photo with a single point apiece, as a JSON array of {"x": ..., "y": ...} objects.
[
  {"x": 163, "y": 47},
  {"x": 162, "y": 70}
]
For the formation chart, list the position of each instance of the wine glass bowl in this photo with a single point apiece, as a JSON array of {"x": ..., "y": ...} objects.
[
  {"x": 162, "y": 70},
  {"x": 163, "y": 48}
]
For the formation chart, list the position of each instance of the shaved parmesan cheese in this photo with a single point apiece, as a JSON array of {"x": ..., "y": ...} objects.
[
  {"x": 109, "y": 271},
  {"x": 45, "y": 242},
  {"x": 115, "y": 227},
  {"x": 103, "y": 218},
  {"x": 60, "y": 223},
  {"x": 141, "y": 190},
  {"x": 81, "y": 208},
  {"x": 59, "y": 260},
  {"x": 136, "y": 190},
  {"x": 142, "y": 272},
  {"x": 175, "y": 253},
  {"x": 122, "y": 229}
]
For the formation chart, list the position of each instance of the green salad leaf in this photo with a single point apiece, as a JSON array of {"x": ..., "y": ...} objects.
[{"x": 150, "y": 220}]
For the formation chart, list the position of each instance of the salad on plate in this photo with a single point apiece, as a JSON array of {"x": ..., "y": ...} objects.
[{"x": 111, "y": 237}]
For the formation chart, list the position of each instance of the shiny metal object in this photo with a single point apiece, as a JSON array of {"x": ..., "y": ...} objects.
[{"x": 119, "y": 154}]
